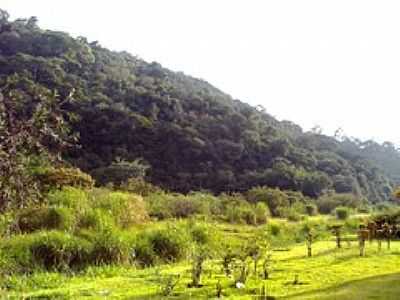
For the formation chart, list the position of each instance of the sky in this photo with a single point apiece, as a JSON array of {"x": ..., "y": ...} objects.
[{"x": 335, "y": 64}]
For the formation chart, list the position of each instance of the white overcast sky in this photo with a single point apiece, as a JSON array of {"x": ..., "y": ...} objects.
[{"x": 328, "y": 63}]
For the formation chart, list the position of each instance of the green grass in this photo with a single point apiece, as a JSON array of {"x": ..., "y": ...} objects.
[
  {"x": 330, "y": 274},
  {"x": 377, "y": 287}
]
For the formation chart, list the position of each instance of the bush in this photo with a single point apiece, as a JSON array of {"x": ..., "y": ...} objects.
[
  {"x": 127, "y": 209},
  {"x": 241, "y": 214},
  {"x": 274, "y": 229},
  {"x": 56, "y": 250},
  {"x": 120, "y": 171},
  {"x": 97, "y": 220},
  {"x": 167, "y": 245},
  {"x": 328, "y": 203},
  {"x": 15, "y": 254},
  {"x": 71, "y": 197},
  {"x": 311, "y": 209},
  {"x": 275, "y": 199},
  {"x": 183, "y": 207},
  {"x": 139, "y": 186},
  {"x": 110, "y": 247},
  {"x": 37, "y": 218},
  {"x": 60, "y": 177},
  {"x": 293, "y": 216},
  {"x": 342, "y": 213},
  {"x": 199, "y": 233},
  {"x": 158, "y": 205},
  {"x": 262, "y": 212},
  {"x": 163, "y": 206}
]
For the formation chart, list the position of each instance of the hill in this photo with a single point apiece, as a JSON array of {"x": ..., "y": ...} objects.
[{"x": 191, "y": 135}]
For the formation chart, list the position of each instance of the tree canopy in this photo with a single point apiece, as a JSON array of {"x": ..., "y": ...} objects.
[{"x": 189, "y": 134}]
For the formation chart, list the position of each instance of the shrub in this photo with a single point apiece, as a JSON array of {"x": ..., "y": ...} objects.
[
  {"x": 110, "y": 247},
  {"x": 168, "y": 245},
  {"x": 274, "y": 229},
  {"x": 144, "y": 252},
  {"x": 163, "y": 206},
  {"x": 127, "y": 209},
  {"x": 199, "y": 233},
  {"x": 342, "y": 213},
  {"x": 120, "y": 171},
  {"x": 71, "y": 197},
  {"x": 158, "y": 205},
  {"x": 274, "y": 198},
  {"x": 311, "y": 209},
  {"x": 328, "y": 203},
  {"x": 353, "y": 224},
  {"x": 293, "y": 216},
  {"x": 248, "y": 215},
  {"x": 15, "y": 254},
  {"x": 6, "y": 224},
  {"x": 183, "y": 207},
  {"x": 55, "y": 250},
  {"x": 261, "y": 211},
  {"x": 60, "y": 177},
  {"x": 139, "y": 186},
  {"x": 37, "y": 218},
  {"x": 97, "y": 220},
  {"x": 243, "y": 213}
]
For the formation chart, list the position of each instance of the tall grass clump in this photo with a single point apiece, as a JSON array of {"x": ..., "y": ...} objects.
[
  {"x": 110, "y": 247},
  {"x": 169, "y": 244},
  {"x": 342, "y": 213},
  {"x": 44, "y": 218},
  {"x": 70, "y": 197},
  {"x": 127, "y": 209},
  {"x": 46, "y": 250},
  {"x": 54, "y": 250},
  {"x": 163, "y": 206}
]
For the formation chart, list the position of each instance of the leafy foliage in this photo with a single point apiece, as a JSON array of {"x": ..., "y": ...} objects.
[{"x": 191, "y": 135}]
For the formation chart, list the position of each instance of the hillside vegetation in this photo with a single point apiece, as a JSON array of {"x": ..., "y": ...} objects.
[{"x": 181, "y": 132}]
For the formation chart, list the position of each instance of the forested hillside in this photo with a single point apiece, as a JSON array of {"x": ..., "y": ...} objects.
[{"x": 187, "y": 134}]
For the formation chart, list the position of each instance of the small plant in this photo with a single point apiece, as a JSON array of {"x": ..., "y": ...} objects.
[
  {"x": 337, "y": 232},
  {"x": 243, "y": 271},
  {"x": 342, "y": 213},
  {"x": 219, "y": 289},
  {"x": 363, "y": 235},
  {"x": 267, "y": 266},
  {"x": 228, "y": 259},
  {"x": 168, "y": 284},
  {"x": 309, "y": 241},
  {"x": 200, "y": 254}
]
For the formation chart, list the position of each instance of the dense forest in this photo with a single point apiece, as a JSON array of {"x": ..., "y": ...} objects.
[{"x": 179, "y": 132}]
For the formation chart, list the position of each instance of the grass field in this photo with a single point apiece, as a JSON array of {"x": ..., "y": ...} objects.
[{"x": 330, "y": 274}]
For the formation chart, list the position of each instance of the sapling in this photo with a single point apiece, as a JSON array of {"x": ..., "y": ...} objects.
[
  {"x": 169, "y": 284},
  {"x": 309, "y": 241},
  {"x": 363, "y": 235},
  {"x": 387, "y": 231},
  {"x": 380, "y": 234},
  {"x": 219, "y": 289},
  {"x": 267, "y": 266},
  {"x": 337, "y": 232},
  {"x": 200, "y": 254},
  {"x": 227, "y": 260}
]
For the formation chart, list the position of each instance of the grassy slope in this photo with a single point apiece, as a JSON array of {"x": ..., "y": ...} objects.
[{"x": 329, "y": 274}]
